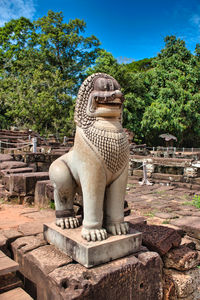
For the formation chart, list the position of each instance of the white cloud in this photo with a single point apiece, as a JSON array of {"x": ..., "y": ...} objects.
[
  {"x": 13, "y": 9},
  {"x": 195, "y": 20}
]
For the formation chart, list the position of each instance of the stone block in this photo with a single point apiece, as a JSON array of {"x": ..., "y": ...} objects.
[
  {"x": 38, "y": 263},
  {"x": 189, "y": 224},
  {"x": 158, "y": 238},
  {"x": 3, "y": 241},
  {"x": 17, "y": 294},
  {"x": 186, "y": 283},
  {"x": 41, "y": 198},
  {"x": 25, "y": 244},
  {"x": 50, "y": 192},
  {"x": 165, "y": 215},
  {"x": 11, "y": 235},
  {"x": 43, "y": 166},
  {"x": 5, "y": 157},
  {"x": 169, "y": 289},
  {"x": 125, "y": 278},
  {"x": 135, "y": 219},
  {"x": 167, "y": 177},
  {"x": 182, "y": 258},
  {"x": 9, "y": 282},
  {"x": 172, "y": 162},
  {"x": 12, "y": 165},
  {"x": 25, "y": 183},
  {"x": 31, "y": 228},
  {"x": 47, "y": 258},
  {"x": 193, "y": 240},
  {"x": 13, "y": 171},
  {"x": 91, "y": 253},
  {"x": 197, "y": 180}
]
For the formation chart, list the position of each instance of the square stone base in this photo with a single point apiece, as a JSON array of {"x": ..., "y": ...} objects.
[{"x": 90, "y": 254}]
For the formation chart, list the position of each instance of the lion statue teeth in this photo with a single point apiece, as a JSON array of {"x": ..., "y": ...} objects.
[{"x": 97, "y": 167}]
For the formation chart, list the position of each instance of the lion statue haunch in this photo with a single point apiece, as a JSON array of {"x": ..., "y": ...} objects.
[{"x": 97, "y": 167}]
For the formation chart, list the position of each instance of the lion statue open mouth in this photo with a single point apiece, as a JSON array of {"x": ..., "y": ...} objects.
[{"x": 97, "y": 167}]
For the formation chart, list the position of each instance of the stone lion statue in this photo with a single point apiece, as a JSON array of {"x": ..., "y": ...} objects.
[{"x": 97, "y": 166}]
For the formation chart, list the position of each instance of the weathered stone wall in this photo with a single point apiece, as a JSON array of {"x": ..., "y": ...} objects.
[{"x": 167, "y": 170}]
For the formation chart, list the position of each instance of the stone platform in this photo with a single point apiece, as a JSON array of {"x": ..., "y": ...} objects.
[{"x": 91, "y": 254}]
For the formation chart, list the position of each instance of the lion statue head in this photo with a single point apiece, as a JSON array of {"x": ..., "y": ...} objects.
[{"x": 98, "y": 96}]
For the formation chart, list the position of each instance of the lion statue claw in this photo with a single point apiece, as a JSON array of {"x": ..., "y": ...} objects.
[{"x": 97, "y": 167}]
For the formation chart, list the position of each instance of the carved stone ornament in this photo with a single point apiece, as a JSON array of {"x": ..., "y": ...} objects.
[{"x": 97, "y": 167}]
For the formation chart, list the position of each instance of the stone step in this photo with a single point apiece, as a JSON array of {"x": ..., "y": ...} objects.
[
  {"x": 5, "y": 174},
  {"x": 24, "y": 184},
  {"x": 12, "y": 165},
  {"x": 7, "y": 265},
  {"x": 8, "y": 282},
  {"x": 15, "y": 294},
  {"x": 5, "y": 157}
]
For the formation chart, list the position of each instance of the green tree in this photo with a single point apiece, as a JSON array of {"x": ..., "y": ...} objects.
[
  {"x": 105, "y": 63},
  {"x": 64, "y": 47},
  {"x": 41, "y": 65},
  {"x": 39, "y": 101},
  {"x": 140, "y": 65},
  {"x": 174, "y": 91}
]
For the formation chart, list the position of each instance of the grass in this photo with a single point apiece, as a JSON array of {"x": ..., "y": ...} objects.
[
  {"x": 195, "y": 201},
  {"x": 186, "y": 196},
  {"x": 131, "y": 185},
  {"x": 187, "y": 203},
  {"x": 150, "y": 214},
  {"x": 52, "y": 205},
  {"x": 167, "y": 221}
]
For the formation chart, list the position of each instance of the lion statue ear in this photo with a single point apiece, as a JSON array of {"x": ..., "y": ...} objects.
[{"x": 81, "y": 117}]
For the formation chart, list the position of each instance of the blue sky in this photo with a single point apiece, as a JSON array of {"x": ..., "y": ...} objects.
[{"x": 130, "y": 30}]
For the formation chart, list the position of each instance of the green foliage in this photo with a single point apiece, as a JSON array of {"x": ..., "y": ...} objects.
[
  {"x": 41, "y": 67},
  {"x": 106, "y": 63},
  {"x": 165, "y": 98},
  {"x": 196, "y": 201},
  {"x": 38, "y": 100},
  {"x": 167, "y": 221},
  {"x": 174, "y": 90},
  {"x": 140, "y": 65},
  {"x": 52, "y": 205},
  {"x": 64, "y": 47}
]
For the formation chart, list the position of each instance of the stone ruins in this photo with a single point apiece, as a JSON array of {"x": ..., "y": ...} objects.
[{"x": 165, "y": 267}]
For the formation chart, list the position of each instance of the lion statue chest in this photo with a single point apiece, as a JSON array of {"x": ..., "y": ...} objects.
[{"x": 112, "y": 146}]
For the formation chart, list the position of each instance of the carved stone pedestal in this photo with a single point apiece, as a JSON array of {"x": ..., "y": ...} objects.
[{"x": 90, "y": 254}]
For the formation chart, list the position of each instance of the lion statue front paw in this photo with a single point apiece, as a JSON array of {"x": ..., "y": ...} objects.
[
  {"x": 118, "y": 228},
  {"x": 94, "y": 234},
  {"x": 69, "y": 222}
]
